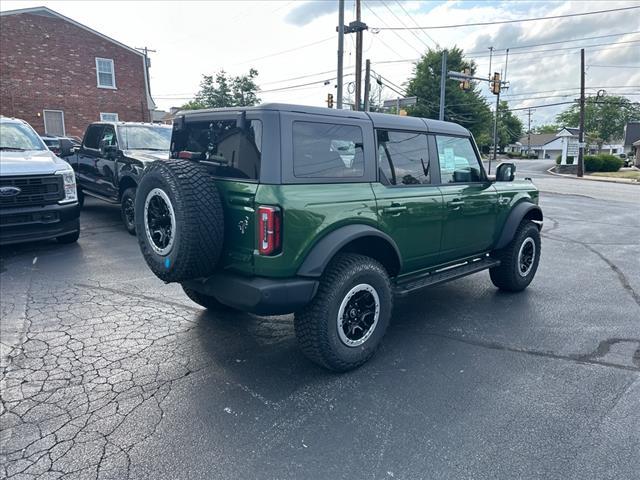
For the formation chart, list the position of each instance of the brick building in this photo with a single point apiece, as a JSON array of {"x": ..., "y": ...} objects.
[{"x": 60, "y": 75}]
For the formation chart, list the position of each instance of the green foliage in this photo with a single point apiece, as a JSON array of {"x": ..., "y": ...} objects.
[
  {"x": 468, "y": 108},
  {"x": 226, "y": 91},
  {"x": 604, "y": 119},
  {"x": 602, "y": 163},
  {"x": 549, "y": 128},
  {"x": 509, "y": 126}
]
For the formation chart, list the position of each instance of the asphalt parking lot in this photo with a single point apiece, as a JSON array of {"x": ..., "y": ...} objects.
[{"x": 109, "y": 373}]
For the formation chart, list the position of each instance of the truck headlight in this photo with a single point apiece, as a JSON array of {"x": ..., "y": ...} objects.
[{"x": 69, "y": 183}]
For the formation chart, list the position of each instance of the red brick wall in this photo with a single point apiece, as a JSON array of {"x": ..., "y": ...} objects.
[{"x": 49, "y": 64}]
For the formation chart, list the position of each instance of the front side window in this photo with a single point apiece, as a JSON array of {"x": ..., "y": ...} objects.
[
  {"x": 105, "y": 72},
  {"x": 230, "y": 147},
  {"x": 403, "y": 157},
  {"x": 19, "y": 137},
  {"x": 108, "y": 117},
  {"x": 145, "y": 137},
  {"x": 108, "y": 138},
  {"x": 92, "y": 137},
  {"x": 326, "y": 150},
  {"x": 458, "y": 161}
]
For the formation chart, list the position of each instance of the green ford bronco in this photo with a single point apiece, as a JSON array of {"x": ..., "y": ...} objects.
[{"x": 329, "y": 214}]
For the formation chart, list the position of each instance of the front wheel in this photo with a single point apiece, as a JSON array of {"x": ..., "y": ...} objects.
[
  {"x": 518, "y": 260},
  {"x": 127, "y": 209},
  {"x": 344, "y": 324}
]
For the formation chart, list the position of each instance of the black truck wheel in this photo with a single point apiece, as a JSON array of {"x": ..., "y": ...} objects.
[
  {"x": 127, "y": 209},
  {"x": 344, "y": 324},
  {"x": 179, "y": 220},
  {"x": 206, "y": 301},
  {"x": 518, "y": 260}
]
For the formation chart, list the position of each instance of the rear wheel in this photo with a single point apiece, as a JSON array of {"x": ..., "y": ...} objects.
[
  {"x": 518, "y": 260},
  {"x": 127, "y": 209},
  {"x": 206, "y": 301},
  {"x": 344, "y": 324}
]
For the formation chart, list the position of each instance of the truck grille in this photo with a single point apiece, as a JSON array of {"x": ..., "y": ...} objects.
[{"x": 34, "y": 190}]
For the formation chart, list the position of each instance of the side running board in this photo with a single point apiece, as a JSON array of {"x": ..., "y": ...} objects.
[{"x": 445, "y": 275}]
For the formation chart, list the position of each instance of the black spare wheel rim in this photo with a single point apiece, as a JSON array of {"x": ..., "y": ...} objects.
[
  {"x": 358, "y": 315},
  {"x": 159, "y": 221},
  {"x": 526, "y": 256}
]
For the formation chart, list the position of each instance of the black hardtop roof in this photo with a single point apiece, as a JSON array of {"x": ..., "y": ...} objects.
[{"x": 379, "y": 120}]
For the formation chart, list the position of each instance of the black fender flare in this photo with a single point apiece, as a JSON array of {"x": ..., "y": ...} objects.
[
  {"x": 516, "y": 215},
  {"x": 324, "y": 250}
]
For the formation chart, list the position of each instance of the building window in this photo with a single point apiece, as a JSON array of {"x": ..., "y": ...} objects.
[
  {"x": 105, "y": 73},
  {"x": 108, "y": 117},
  {"x": 54, "y": 122}
]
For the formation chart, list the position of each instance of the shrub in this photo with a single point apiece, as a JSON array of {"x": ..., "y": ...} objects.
[
  {"x": 592, "y": 163},
  {"x": 610, "y": 163},
  {"x": 558, "y": 159}
]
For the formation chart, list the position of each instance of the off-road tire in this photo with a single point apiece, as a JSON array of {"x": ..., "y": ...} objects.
[
  {"x": 316, "y": 325},
  {"x": 69, "y": 238},
  {"x": 128, "y": 195},
  {"x": 206, "y": 301},
  {"x": 199, "y": 220},
  {"x": 507, "y": 276}
]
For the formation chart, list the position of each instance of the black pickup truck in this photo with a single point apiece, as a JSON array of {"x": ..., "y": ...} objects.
[{"x": 112, "y": 158}]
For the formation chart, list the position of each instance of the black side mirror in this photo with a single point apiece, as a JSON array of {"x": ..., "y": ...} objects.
[
  {"x": 505, "y": 172},
  {"x": 106, "y": 149}
]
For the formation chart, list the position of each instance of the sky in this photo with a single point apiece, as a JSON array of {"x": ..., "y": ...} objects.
[{"x": 286, "y": 40}]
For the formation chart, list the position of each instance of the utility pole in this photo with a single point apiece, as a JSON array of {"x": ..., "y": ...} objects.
[
  {"x": 340, "y": 52},
  {"x": 581, "y": 137},
  {"x": 443, "y": 83},
  {"x": 367, "y": 85},
  {"x": 358, "y": 58},
  {"x": 495, "y": 130},
  {"x": 529, "y": 133}
]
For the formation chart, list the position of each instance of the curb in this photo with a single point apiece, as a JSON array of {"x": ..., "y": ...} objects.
[{"x": 625, "y": 181}]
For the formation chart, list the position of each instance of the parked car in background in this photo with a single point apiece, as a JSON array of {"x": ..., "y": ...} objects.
[
  {"x": 112, "y": 158},
  {"x": 38, "y": 197},
  {"x": 52, "y": 143},
  {"x": 61, "y": 146}
]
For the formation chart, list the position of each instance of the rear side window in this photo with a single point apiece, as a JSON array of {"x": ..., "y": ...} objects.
[
  {"x": 92, "y": 137},
  {"x": 327, "y": 150},
  {"x": 403, "y": 157},
  {"x": 234, "y": 151},
  {"x": 458, "y": 161}
]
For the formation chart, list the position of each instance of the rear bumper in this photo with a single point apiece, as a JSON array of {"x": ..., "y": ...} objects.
[
  {"x": 28, "y": 224},
  {"x": 259, "y": 295}
]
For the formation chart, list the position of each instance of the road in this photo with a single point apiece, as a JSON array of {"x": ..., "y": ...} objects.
[{"x": 109, "y": 373}]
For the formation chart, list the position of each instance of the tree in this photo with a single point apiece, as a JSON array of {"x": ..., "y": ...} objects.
[
  {"x": 226, "y": 91},
  {"x": 548, "y": 128},
  {"x": 604, "y": 118},
  {"x": 467, "y": 108},
  {"x": 509, "y": 126}
]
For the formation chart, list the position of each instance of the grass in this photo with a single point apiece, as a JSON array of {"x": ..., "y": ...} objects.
[{"x": 629, "y": 174}]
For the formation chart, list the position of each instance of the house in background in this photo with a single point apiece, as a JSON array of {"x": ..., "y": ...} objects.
[
  {"x": 631, "y": 137},
  {"x": 60, "y": 75}
]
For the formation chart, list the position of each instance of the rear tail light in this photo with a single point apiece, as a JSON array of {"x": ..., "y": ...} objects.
[{"x": 269, "y": 228}]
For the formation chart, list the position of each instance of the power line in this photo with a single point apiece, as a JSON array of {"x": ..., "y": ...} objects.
[
  {"x": 389, "y": 82},
  {"x": 395, "y": 33},
  {"x": 496, "y": 22},
  {"x": 416, "y": 24},
  {"x": 613, "y": 66},
  {"x": 287, "y": 51},
  {"x": 404, "y": 24},
  {"x": 564, "y": 48}
]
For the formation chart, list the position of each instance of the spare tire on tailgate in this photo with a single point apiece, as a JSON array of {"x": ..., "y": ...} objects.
[{"x": 179, "y": 220}]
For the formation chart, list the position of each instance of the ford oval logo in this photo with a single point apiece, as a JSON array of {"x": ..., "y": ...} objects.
[{"x": 9, "y": 191}]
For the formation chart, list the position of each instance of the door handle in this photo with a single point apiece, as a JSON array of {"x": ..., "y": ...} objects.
[
  {"x": 394, "y": 209},
  {"x": 456, "y": 204}
]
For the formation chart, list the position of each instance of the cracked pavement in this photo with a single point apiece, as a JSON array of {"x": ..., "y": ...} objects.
[{"x": 106, "y": 372}]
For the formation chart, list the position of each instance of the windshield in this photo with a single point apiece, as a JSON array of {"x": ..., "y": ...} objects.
[
  {"x": 143, "y": 137},
  {"x": 18, "y": 136}
]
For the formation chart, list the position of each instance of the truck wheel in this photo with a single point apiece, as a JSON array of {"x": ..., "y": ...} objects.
[
  {"x": 127, "y": 209},
  {"x": 344, "y": 324},
  {"x": 80, "y": 197},
  {"x": 206, "y": 301},
  {"x": 179, "y": 220},
  {"x": 518, "y": 260}
]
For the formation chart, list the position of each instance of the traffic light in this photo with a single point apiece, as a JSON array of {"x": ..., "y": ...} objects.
[
  {"x": 495, "y": 84},
  {"x": 466, "y": 83},
  {"x": 330, "y": 100}
]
